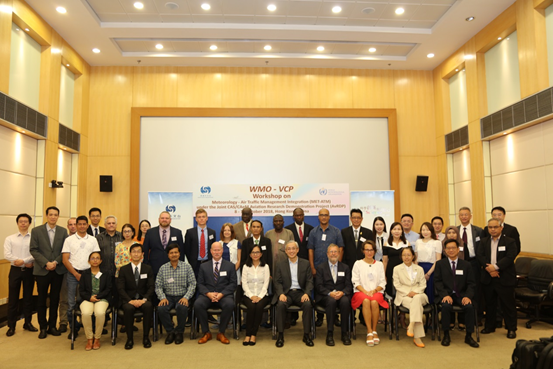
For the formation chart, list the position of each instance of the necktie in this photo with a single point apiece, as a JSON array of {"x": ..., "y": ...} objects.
[
  {"x": 136, "y": 279},
  {"x": 453, "y": 269},
  {"x": 334, "y": 273},
  {"x": 356, "y": 235},
  {"x": 95, "y": 232},
  {"x": 301, "y": 235},
  {"x": 51, "y": 235},
  {"x": 202, "y": 245},
  {"x": 164, "y": 238},
  {"x": 216, "y": 272},
  {"x": 465, "y": 235},
  {"x": 256, "y": 242},
  {"x": 247, "y": 228}
]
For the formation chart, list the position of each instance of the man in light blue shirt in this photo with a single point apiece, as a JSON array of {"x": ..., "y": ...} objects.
[{"x": 407, "y": 223}]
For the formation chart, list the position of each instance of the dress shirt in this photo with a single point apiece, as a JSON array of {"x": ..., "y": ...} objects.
[
  {"x": 295, "y": 285},
  {"x": 95, "y": 230},
  {"x": 179, "y": 281},
  {"x": 333, "y": 271},
  {"x": 426, "y": 251},
  {"x": 17, "y": 247},
  {"x": 220, "y": 261},
  {"x": 410, "y": 272},
  {"x": 368, "y": 276},
  {"x": 493, "y": 258},
  {"x": 255, "y": 280},
  {"x": 316, "y": 243},
  {"x": 51, "y": 233},
  {"x": 302, "y": 227},
  {"x": 470, "y": 244},
  {"x": 134, "y": 267},
  {"x": 456, "y": 260},
  {"x": 206, "y": 236},
  {"x": 441, "y": 236},
  {"x": 412, "y": 237},
  {"x": 79, "y": 249},
  {"x": 380, "y": 241}
]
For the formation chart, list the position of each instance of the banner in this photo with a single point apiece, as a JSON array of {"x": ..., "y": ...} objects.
[
  {"x": 373, "y": 204},
  {"x": 178, "y": 204}
]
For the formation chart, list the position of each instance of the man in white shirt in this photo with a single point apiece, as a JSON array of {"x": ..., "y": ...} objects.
[
  {"x": 76, "y": 250},
  {"x": 72, "y": 229},
  {"x": 407, "y": 223},
  {"x": 16, "y": 251},
  {"x": 438, "y": 225}
]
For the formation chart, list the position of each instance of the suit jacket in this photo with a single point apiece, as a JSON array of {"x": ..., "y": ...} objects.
[
  {"x": 509, "y": 231},
  {"x": 443, "y": 279},
  {"x": 353, "y": 250},
  {"x": 282, "y": 280},
  {"x": 267, "y": 256},
  {"x": 239, "y": 231},
  {"x": 154, "y": 253},
  {"x": 505, "y": 260},
  {"x": 403, "y": 283},
  {"x": 303, "y": 253},
  {"x": 43, "y": 252},
  {"x": 476, "y": 238},
  {"x": 85, "y": 286},
  {"x": 191, "y": 243},
  {"x": 89, "y": 230},
  {"x": 126, "y": 285},
  {"x": 226, "y": 284},
  {"x": 279, "y": 248},
  {"x": 324, "y": 284}
]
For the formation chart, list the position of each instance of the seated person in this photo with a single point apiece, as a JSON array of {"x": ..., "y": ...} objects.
[
  {"x": 410, "y": 283},
  {"x": 333, "y": 289},
  {"x": 135, "y": 285},
  {"x": 455, "y": 285},
  {"x": 95, "y": 291},
  {"x": 293, "y": 283},
  {"x": 175, "y": 286},
  {"x": 216, "y": 286}
]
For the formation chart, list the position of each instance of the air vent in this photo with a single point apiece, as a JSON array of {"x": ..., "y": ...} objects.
[
  {"x": 525, "y": 111},
  {"x": 68, "y": 137},
  {"x": 20, "y": 115},
  {"x": 457, "y": 139}
]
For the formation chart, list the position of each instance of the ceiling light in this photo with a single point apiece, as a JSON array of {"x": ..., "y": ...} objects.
[
  {"x": 22, "y": 131},
  {"x": 17, "y": 29},
  {"x": 504, "y": 133},
  {"x": 372, "y": 50},
  {"x": 469, "y": 19},
  {"x": 213, "y": 47},
  {"x": 336, "y": 9},
  {"x": 507, "y": 39},
  {"x": 206, "y": 6},
  {"x": 26, "y": 29},
  {"x": 267, "y": 47},
  {"x": 171, "y": 6},
  {"x": 56, "y": 51},
  {"x": 469, "y": 57},
  {"x": 320, "y": 48},
  {"x": 400, "y": 11},
  {"x": 138, "y": 5},
  {"x": 95, "y": 50},
  {"x": 456, "y": 70},
  {"x": 67, "y": 64},
  {"x": 159, "y": 46},
  {"x": 499, "y": 38},
  {"x": 430, "y": 55},
  {"x": 61, "y": 10},
  {"x": 271, "y": 7}
]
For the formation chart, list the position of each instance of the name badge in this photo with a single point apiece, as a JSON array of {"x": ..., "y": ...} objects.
[
  {"x": 323, "y": 238},
  {"x": 281, "y": 241},
  {"x": 341, "y": 274},
  {"x": 117, "y": 243},
  {"x": 170, "y": 280},
  {"x": 477, "y": 239},
  {"x": 174, "y": 238},
  {"x": 461, "y": 248},
  {"x": 98, "y": 275},
  {"x": 501, "y": 248},
  {"x": 223, "y": 274},
  {"x": 371, "y": 277},
  {"x": 144, "y": 276},
  {"x": 362, "y": 239},
  {"x": 458, "y": 272},
  {"x": 210, "y": 237},
  {"x": 263, "y": 248}
]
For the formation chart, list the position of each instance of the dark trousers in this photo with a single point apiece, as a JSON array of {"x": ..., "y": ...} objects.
[
  {"x": 254, "y": 314},
  {"x": 53, "y": 281},
  {"x": 18, "y": 277},
  {"x": 165, "y": 316},
  {"x": 128, "y": 310},
  {"x": 294, "y": 298},
  {"x": 330, "y": 304},
  {"x": 226, "y": 304},
  {"x": 506, "y": 295},
  {"x": 468, "y": 311}
]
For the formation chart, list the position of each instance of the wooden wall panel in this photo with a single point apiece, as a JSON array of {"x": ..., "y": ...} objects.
[
  {"x": 4, "y": 272},
  {"x": 502, "y": 26},
  {"x": 477, "y": 182},
  {"x": 330, "y": 88},
  {"x": 39, "y": 29},
  {"x": 287, "y": 88},
  {"x": 5, "y": 45},
  {"x": 50, "y": 167},
  {"x": 373, "y": 89},
  {"x": 244, "y": 87},
  {"x": 155, "y": 86},
  {"x": 199, "y": 87}
]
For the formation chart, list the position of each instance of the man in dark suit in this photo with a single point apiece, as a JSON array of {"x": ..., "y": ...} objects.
[
  {"x": 334, "y": 289},
  {"x": 46, "y": 245},
  {"x": 301, "y": 231},
  {"x": 257, "y": 239},
  {"x": 242, "y": 229},
  {"x": 216, "y": 286},
  {"x": 157, "y": 240},
  {"x": 510, "y": 231},
  {"x": 293, "y": 285},
  {"x": 497, "y": 255},
  {"x": 95, "y": 215},
  {"x": 136, "y": 284},
  {"x": 454, "y": 281},
  {"x": 353, "y": 237},
  {"x": 198, "y": 241}
]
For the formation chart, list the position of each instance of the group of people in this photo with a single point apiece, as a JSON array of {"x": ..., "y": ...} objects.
[{"x": 339, "y": 270}]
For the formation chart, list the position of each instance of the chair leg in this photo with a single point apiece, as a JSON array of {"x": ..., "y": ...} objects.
[
  {"x": 395, "y": 312},
  {"x": 154, "y": 333},
  {"x": 73, "y": 330}
]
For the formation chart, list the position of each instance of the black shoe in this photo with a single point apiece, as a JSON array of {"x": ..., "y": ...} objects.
[
  {"x": 266, "y": 325},
  {"x": 511, "y": 334},
  {"x": 63, "y": 328},
  {"x": 170, "y": 338},
  {"x": 345, "y": 339},
  {"x": 252, "y": 343},
  {"x": 499, "y": 324},
  {"x": 487, "y": 331},
  {"x": 30, "y": 327},
  {"x": 471, "y": 342},
  {"x": 134, "y": 328},
  {"x": 293, "y": 322},
  {"x": 10, "y": 332},
  {"x": 146, "y": 342},
  {"x": 104, "y": 331},
  {"x": 329, "y": 339},
  {"x": 43, "y": 334},
  {"x": 319, "y": 322},
  {"x": 308, "y": 341},
  {"x": 280, "y": 340},
  {"x": 337, "y": 323},
  {"x": 446, "y": 340},
  {"x": 129, "y": 344},
  {"x": 179, "y": 338},
  {"x": 54, "y": 332}
]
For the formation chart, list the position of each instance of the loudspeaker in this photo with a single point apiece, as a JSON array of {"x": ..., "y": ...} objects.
[
  {"x": 422, "y": 183},
  {"x": 106, "y": 183}
]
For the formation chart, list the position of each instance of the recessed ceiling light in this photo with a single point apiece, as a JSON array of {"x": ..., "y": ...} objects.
[
  {"x": 206, "y": 6},
  {"x": 400, "y": 11},
  {"x": 469, "y": 19},
  {"x": 271, "y": 7},
  {"x": 372, "y": 50},
  {"x": 504, "y": 133},
  {"x": 138, "y": 5},
  {"x": 95, "y": 50},
  {"x": 56, "y": 51},
  {"x": 61, "y": 10},
  {"x": 267, "y": 47},
  {"x": 22, "y": 131},
  {"x": 213, "y": 47},
  {"x": 430, "y": 55},
  {"x": 17, "y": 29},
  {"x": 368, "y": 10},
  {"x": 171, "y": 6},
  {"x": 469, "y": 57},
  {"x": 457, "y": 69},
  {"x": 67, "y": 64},
  {"x": 320, "y": 48},
  {"x": 159, "y": 46},
  {"x": 499, "y": 38},
  {"x": 337, "y": 9},
  {"x": 26, "y": 29}
]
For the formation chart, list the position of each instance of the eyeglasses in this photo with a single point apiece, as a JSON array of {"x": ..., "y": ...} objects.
[
  {"x": 127, "y": 231},
  {"x": 368, "y": 250},
  {"x": 255, "y": 252}
]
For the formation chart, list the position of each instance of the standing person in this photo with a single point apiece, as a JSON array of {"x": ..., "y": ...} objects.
[
  {"x": 108, "y": 241},
  {"x": 95, "y": 215},
  {"x": 257, "y": 239},
  {"x": 438, "y": 225},
  {"x": 392, "y": 253},
  {"x": 407, "y": 223},
  {"x": 301, "y": 231},
  {"x": 64, "y": 305},
  {"x": 429, "y": 251},
  {"x": 353, "y": 237},
  {"x": 198, "y": 242},
  {"x": 122, "y": 250},
  {"x": 16, "y": 251},
  {"x": 143, "y": 227},
  {"x": 157, "y": 240},
  {"x": 279, "y": 237},
  {"x": 510, "y": 231},
  {"x": 46, "y": 245},
  {"x": 380, "y": 237},
  {"x": 232, "y": 248},
  {"x": 76, "y": 250},
  {"x": 242, "y": 229}
]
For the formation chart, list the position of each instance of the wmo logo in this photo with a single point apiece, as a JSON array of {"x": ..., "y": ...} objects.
[
  {"x": 205, "y": 189},
  {"x": 323, "y": 191},
  {"x": 171, "y": 208}
]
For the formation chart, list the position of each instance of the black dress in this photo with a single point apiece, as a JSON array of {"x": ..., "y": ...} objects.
[{"x": 394, "y": 259}]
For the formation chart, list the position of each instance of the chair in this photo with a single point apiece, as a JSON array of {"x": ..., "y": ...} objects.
[
  {"x": 137, "y": 314},
  {"x": 456, "y": 309},
  {"x": 77, "y": 312},
  {"x": 387, "y": 318},
  {"x": 241, "y": 307},
  {"x": 321, "y": 309},
  {"x": 538, "y": 293},
  {"x": 428, "y": 311},
  {"x": 195, "y": 326},
  {"x": 293, "y": 309},
  {"x": 522, "y": 266}
]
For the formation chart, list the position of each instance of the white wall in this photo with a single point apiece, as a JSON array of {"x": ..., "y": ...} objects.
[
  {"x": 549, "y": 35},
  {"x": 63, "y": 195},
  {"x": 67, "y": 91},
  {"x": 459, "y": 184},
  {"x": 458, "y": 100},
  {"x": 24, "y": 68}
]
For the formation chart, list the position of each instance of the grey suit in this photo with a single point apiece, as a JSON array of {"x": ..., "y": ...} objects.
[
  {"x": 43, "y": 252},
  {"x": 239, "y": 231}
]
